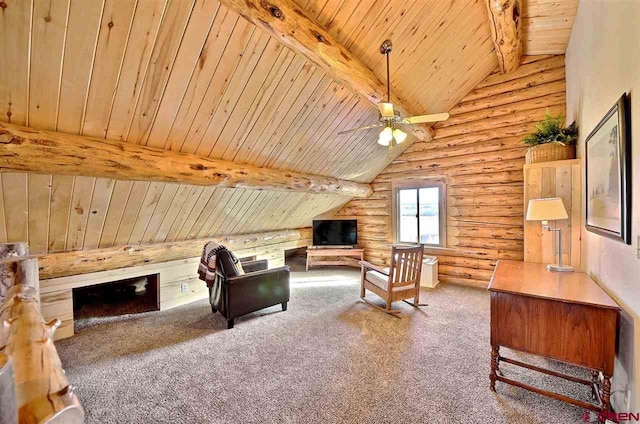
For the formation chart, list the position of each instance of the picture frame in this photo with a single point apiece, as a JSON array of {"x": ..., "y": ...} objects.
[{"x": 608, "y": 174}]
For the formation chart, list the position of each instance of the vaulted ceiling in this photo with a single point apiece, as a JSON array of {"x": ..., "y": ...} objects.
[{"x": 193, "y": 76}]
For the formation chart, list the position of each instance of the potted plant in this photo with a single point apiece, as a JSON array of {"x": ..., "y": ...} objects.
[{"x": 551, "y": 140}]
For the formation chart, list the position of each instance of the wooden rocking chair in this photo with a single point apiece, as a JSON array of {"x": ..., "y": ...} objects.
[{"x": 401, "y": 281}]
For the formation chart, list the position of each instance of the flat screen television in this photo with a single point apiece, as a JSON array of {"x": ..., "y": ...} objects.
[{"x": 335, "y": 232}]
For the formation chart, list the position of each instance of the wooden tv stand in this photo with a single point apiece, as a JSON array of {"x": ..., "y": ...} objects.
[{"x": 345, "y": 252}]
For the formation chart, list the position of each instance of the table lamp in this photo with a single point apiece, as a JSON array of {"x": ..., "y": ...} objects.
[{"x": 546, "y": 210}]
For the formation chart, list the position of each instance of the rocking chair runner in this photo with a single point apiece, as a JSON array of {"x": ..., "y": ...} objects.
[{"x": 398, "y": 282}]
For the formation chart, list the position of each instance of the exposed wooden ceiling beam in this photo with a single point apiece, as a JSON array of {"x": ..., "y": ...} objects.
[
  {"x": 48, "y": 152},
  {"x": 506, "y": 27},
  {"x": 293, "y": 27}
]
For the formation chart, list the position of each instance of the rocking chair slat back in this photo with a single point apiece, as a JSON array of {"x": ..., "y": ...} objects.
[{"x": 405, "y": 265}]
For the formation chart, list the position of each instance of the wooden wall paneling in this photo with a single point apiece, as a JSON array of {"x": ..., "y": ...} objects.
[
  {"x": 15, "y": 39},
  {"x": 133, "y": 206},
  {"x": 215, "y": 122},
  {"x": 61, "y": 192},
  {"x": 115, "y": 212},
  {"x": 547, "y": 25},
  {"x": 276, "y": 143},
  {"x": 165, "y": 50},
  {"x": 178, "y": 202},
  {"x": 48, "y": 33},
  {"x": 221, "y": 35},
  {"x": 298, "y": 72},
  {"x": 16, "y": 205},
  {"x": 194, "y": 116},
  {"x": 133, "y": 71},
  {"x": 80, "y": 211},
  {"x": 231, "y": 222},
  {"x": 84, "y": 25},
  {"x": 39, "y": 193},
  {"x": 161, "y": 209},
  {"x": 144, "y": 213},
  {"x": 260, "y": 83},
  {"x": 188, "y": 56},
  {"x": 201, "y": 209},
  {"x": 236, "y": 201},
  {"x": 260, "y": 141},
  {"x": 207, "y": 212},
  {"x": 185, "y": 210},
  {"x": 554, "y": 179},
  {"x": 227, "y": 147},
  {"x": 114, "y": 34},
  {"x": 226, "y": 201},
  {"x": 100, "y": 204}
]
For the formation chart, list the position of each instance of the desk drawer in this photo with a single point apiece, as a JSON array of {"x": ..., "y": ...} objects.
[{"x": 569, "y": 332}]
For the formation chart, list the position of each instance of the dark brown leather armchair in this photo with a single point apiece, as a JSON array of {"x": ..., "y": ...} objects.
[{"x": 234, "y": 294}]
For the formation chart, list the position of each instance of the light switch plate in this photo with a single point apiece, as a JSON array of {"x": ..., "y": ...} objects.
[{"x": 184, "y": 287}]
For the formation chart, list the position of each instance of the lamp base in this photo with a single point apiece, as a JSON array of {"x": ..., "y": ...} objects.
[{"x": 559, "y": 268}]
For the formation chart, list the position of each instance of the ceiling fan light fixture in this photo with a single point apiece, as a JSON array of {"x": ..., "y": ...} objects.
[
  {"x": 399, "y": 136},
  {"x": 386, "y": 109},
  {"x": 386, "y": 135}
]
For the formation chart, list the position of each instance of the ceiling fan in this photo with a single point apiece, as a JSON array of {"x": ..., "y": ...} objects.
[{"x": 390, "y": 119}]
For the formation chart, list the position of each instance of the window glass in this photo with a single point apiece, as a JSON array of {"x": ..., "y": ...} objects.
[
  {"x": 408, "y": 215},
  {"x": 429, "y": 200}
]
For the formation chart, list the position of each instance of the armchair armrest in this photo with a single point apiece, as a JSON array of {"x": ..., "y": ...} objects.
[
  {"x": 254, "y": 266},
  {"x": 368, "y": 265},
  {"x": 258, "y": 275}
]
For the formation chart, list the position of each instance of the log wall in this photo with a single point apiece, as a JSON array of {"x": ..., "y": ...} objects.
[{"x": 478, "y": 152}]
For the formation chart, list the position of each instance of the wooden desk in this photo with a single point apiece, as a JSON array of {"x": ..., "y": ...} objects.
[
  {"x": 561, "y": 316},
  {"x": 341, "y": 252}
]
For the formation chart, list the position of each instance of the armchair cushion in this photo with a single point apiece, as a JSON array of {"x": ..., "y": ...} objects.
[
  {"x": 378, "y": 279},
  {"x": 231, "y": 266}
]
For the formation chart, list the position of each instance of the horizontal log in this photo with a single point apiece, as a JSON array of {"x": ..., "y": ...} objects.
[
  {"x": 512, "y": 96},
  {"x": 470, "y": 273},
  {"x": 487, "y": 178},
  {"x": 490, "y": 221},
  {"x": 482, "y": 211},
  {"x": 357, "y": 211},
  {"x": 517, "y": 118},
  {"x": 464, "y": 169},
  {"x": 482, "y": 284},
  {"x": 485, "y": 200},
  {"x": 505, "y": 233},
  {"x": 535, "y": 80},
  {"x": 546, "y": 100},
  {"x": 474, "y": 263},
  {"x": 539, "y": 67},
  {"x": 487, "y": 189},
  {"x": 47, "y": 152},
  {"x": 458, "y": 140},
  {"x": 486, "y": 243},
  {"x": 436, "y": 164},
  {"x": 495, "y": 145},
  {"x": 54, "y": 265}
]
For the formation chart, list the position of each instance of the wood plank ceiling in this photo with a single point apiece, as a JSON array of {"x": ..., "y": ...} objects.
[{"x": 193, "y": 76}]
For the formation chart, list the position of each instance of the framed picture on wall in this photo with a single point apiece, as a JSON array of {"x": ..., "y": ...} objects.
[{"x": 608, "y": 167}]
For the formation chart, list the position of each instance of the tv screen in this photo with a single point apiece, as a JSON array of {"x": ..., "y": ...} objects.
[{"x": 342, "y": 232}]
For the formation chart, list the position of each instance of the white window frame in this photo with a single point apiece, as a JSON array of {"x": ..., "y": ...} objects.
[{"x": 416, "y": 184}]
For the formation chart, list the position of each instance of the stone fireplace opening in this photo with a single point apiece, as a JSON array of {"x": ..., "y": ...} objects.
[{"x": 123, "y": 297}]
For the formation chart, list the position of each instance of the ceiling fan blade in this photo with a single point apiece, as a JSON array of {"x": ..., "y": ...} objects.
[
  {"x": 435, "y": 117},
  {"x": 386, "y": 110},
  {"x": 368, "y": 127}
]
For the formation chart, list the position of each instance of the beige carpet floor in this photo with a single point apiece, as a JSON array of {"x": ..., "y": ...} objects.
[{"x": 329, "y": 359}]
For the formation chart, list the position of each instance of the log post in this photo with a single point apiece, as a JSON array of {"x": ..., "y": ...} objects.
[
  {"x": 49, "y": 152},
  {"x": 42, "y": 390},
  {"x": 8, "y": 409},
  {"x": 506, "y": 28}
]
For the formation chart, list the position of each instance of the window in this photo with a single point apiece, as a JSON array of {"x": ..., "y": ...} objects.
[{"x": 419, "y": 213}]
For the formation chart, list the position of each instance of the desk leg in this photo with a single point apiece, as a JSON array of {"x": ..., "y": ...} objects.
[
  {"x": 495, "y": 350},
  {"x": 606, "y": 393}
]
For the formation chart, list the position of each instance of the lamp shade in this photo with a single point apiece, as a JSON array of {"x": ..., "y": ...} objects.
[
  {"x": 399, "y": 136},
  {"x": 546, "y": 209},
  {"x": 386, "y": 135}
]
